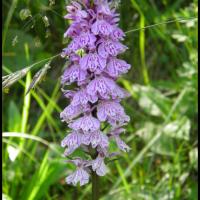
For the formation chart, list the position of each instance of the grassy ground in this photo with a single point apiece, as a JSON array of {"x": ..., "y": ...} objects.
[{"x": 162, "y": 164}]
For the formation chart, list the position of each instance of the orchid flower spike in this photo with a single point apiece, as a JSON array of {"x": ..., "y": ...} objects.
[{"x": 95, "y": 100}]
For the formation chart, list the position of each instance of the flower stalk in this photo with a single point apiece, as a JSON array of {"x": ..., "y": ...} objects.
[{"x": 95, "y": 186}]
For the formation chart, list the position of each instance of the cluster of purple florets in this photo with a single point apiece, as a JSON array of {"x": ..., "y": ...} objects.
[{"x": 94, "y": 114}]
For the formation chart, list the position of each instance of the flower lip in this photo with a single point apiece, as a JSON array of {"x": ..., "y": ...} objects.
[
  {"x": 93, "y": 62},
  {"x": 72, "y": 74},
  {"x": 110, "y": 48},
  {"x": 86, "y": 123},
  {"x": 105, "y": 88},
  {"x": 111, "y": 111},
  {"x": 101, "y": 27}
]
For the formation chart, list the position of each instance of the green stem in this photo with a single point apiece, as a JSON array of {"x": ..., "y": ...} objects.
[
  {"x": 95, "y": 179},
  {"x": 95, "y": 186}
]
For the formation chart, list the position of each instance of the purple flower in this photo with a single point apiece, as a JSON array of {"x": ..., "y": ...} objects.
[
  {"x": 72, "y": 111},
  {"x": 80, "y": 175},
  {"x": 72, "y": 47},
  {"x": 96, "y": 138},
  {"x": 72, "y": 74},
  {"x": 102, "y": 27},
  {"x": 105, "y": 88},
  {"x": 96, "y": 97},
  {"x": 86, "y": 39},
  {"x": 69, "y": 93},
  {"x": 117, "y": 34},
  {"x": 86, "y": 123},
  {"x": 73, "y": 30},
  {"x": 120, "y": 143},
  {"x": 72, "y": 141},
  {"x": 110, "y": 48},
  {"x": 113, "y": 112},
  {"x": 103, "y": 7},
  {"x": 81, "y": 97},
  {"x": 99, "y": 166},
  {"x": 116, "y": 67},
  {"x": 75, "y": 12},
  {"x": 93, "y": 62}
]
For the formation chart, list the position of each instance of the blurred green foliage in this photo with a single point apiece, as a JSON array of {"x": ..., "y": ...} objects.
[{"x": 163, "y": 104}]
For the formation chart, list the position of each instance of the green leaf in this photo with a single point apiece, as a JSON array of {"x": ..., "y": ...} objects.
[
  {"x": 164, "y": 146},
  {"x": 48, "y": 173},
  {"x": 193, "y": 155},
  {"x": 14, "y": 117},
  {"x": 179, "y": 129},
  {"x": 152, "y": 101}
]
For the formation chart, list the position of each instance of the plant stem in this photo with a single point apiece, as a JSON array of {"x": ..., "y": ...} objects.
[{"x": 95, "y": 186}]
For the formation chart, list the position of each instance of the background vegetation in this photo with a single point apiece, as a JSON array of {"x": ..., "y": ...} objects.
[{"x": 162, "y": 164}]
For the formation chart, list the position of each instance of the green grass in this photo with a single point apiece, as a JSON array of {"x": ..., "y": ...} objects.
[{"x": 162, "y": 133}]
